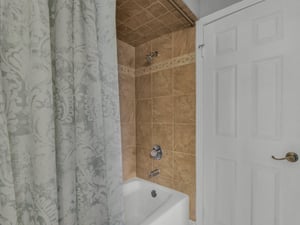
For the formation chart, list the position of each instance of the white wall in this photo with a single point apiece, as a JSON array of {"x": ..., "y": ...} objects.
[
  {"x": 204, "y": 7},
  {"x": 210, "y": 6},
  {"x": 194, "y": 5}
]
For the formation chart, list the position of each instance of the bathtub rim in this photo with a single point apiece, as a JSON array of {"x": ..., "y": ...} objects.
[
  {"x": 164, "y": 188},
  {"x": 175, "y": 199}
]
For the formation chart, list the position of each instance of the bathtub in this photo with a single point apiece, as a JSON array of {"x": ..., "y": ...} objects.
[{"x": 147, "y": 203}]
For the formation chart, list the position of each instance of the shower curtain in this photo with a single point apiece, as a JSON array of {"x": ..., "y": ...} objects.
[{"x": 60, "y": 151}]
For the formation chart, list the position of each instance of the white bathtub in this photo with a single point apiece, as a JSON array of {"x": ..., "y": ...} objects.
[{"x": 169, "y": 207}]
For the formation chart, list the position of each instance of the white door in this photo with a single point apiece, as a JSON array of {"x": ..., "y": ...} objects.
[{"x": 252, "y": 112}]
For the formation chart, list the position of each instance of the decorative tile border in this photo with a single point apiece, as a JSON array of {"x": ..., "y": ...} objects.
[
  {"x": 168, "y": 64},
  {"x": 172, "y": 63},
  {"x": 126, "y": 70}
]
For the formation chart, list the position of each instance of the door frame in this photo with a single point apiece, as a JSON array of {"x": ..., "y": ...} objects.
[{"x": 200, "y": 50}]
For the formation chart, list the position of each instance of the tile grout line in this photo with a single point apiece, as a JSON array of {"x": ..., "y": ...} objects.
[
  {"x": 173, "y": 126},
  {"x": 152, "y": 108}
]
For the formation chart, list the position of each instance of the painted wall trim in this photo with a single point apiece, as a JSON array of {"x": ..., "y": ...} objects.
[
  {"x": 228, "y": 11},
  {"x": 200, "y": 44}
]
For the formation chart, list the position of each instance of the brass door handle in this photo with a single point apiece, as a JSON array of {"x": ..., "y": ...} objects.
[{"x": 290, "y": 156}]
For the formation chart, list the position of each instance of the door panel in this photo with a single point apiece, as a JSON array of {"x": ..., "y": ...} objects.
[{"x": 252, "y": 111}]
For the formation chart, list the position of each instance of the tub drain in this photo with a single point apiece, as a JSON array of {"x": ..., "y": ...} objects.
[{"x": 153, "y": 193}]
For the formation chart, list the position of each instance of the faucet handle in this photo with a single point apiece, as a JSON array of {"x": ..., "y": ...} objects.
[{"x": 156, "y": 152}]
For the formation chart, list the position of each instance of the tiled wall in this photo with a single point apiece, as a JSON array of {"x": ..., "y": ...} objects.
[
  {"x": 165, "y": 111},
  {"x": 139, "y": 21},
  {"x": 126, "y": 60}
]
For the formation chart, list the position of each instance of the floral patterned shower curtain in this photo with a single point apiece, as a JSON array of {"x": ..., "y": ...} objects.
[{"x": 60, "y": 151}]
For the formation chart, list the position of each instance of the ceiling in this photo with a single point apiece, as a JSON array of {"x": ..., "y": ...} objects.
[{"x": 139, "y": 21}]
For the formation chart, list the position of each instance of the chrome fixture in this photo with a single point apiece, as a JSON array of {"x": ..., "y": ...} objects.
[
  {"x": 150, "y": 56},
  {"x": 154, "y": 173},
  {"x": 290, "y": 156},
  {"x": 153, "y": 194},
  {"x": 156, "y": 152}
]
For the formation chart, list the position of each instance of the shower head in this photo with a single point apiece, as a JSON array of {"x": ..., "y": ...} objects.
[
  {"x": 150, "y": 56},
  {"x": 149, "y": 59}
]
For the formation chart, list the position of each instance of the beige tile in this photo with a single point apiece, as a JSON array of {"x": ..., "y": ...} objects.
[
  {"x": 129, "y": 162},
  {"x": 163, "y": 111},
  {"x": 122, "y": 36},
  {"x": 140, "y": 54},
  {"x": 146, "y": 38},
  {"x": 130, "y": 37},
  {"x": 122, "y": 16},
  {"x": 163, "y": 45},
  {"x": 144, "y": 30},
  {"x": 184, "y": 168},
  {"x": 128, "y": 134},
  {"x": 127, "y": 109},
  {"x": 174, "y": 28},
  {"x": 160, "y": 16},
  {"x": 185, "y": 109},
  {"x": 144, "y": 135},
  {"x": 139, "y": 20},
  {"x": 184, "y": 42},
  {"x": 143, "y": 159},
  {"x": 185, "y": 139},
  {"x": 193, "y": 206},
  {"x": 162, "y": 83},
  {"x": 144, "y": 163},
  {"x": 190, "y": 190},
  {"x": 163, "y": 29},
  {"x": 144, "y": 3},
  {"x": 155, "y": 24},
  {"x": 126, "y": 54},
  {"x": 164, "y": 181},
  {"x": 165, "y": 164},
  {"x": 120, "y": 2},
  {"x": 126, "y": 85},
  {"x": 163, "y": 136},
  {"x": 144, "y": 173},
  {"x": 122, "y": 29},
  {"x": 143, "y": 86},
  {"x": 185, "y": 79},
  {"x": 157, "y": 9},
  {"x": 170, "y": 19},
  {"x": 144, "y": 111},
  {"x": 133, "y": 23},
  {"x": 167, "y": 5},
  {"x": 127, "y": 10}
]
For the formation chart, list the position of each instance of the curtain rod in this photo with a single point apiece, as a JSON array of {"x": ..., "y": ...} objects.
[{"x": 177, "y": 7}]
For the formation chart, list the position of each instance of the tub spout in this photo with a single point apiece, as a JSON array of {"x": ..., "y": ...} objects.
[{"x": 154, "y": 173}]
